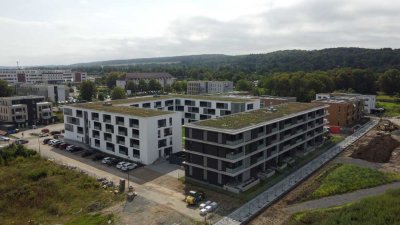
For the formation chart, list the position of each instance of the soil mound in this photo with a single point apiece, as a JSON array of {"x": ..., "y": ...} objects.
[{"x": 379, "y": 149}]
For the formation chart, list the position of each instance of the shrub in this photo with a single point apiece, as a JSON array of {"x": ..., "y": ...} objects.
[{"x": 37, "y": 174}]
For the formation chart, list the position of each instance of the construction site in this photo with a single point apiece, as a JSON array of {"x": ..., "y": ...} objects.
[{"x": 378, "y": 149}]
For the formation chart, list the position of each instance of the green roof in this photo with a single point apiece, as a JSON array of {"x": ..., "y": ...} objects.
[
  {"x": 162, "y": 97},
  {"x": 246, "y": 119},
  {"x": 126, "y": 110}
]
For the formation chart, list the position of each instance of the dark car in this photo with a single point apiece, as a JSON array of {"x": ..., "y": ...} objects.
[
  {"x": 46, "y": 140},
  {"x": 57, "y": 145},
  {"x": 45, "y": 130},
  {"x": 63, "y": 146},
  {"x": 55, "y": 132},
  {"x": 73, "y": 148},
  {"x": 21, "y": 141},
  {"x": 87, "y": 153}
]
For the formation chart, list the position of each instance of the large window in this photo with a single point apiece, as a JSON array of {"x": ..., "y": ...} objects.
[{"x": 162, "y": 123}]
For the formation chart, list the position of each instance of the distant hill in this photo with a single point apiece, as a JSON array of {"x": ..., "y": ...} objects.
[{"x": 279, "y": 61}]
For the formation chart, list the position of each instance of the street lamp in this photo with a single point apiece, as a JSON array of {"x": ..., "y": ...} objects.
[{"x": 38, "y": 139}]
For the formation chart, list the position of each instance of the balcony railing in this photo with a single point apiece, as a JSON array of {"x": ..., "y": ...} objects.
[
  {"x": 110, "y": 149},
  {"x": 135, "y": 146},
  {"x": 107, "y": 120},
  {"x": 234, "y": 156},
  {"x": 234, "y": 170},
  {"x": 134, "y": 125},
  {"x": 97, "y": 127},
  {"x": 120, "y": 142},
  {"x": 120, "y": 123},
  {"x": 123, "y": 133},
  {"x": 235, "y": 142},
  {"x": 108, "y": 139},
  {"x": 135, "y": 135},
  {"x": 108, "y": 130}
]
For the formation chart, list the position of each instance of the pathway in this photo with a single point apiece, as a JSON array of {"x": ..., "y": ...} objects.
[{"x": 338, "y": 200}]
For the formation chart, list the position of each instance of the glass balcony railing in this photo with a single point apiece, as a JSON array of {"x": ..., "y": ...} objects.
[
  {"x": 234, "y": 156},
  {"x": 235, "y": 142},
  {"x": 234, "y": 170}
]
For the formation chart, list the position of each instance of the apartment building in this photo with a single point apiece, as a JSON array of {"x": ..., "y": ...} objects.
[
  {"x": 163, "y": 78},
  {"x": 30, "y": 76},
  {"x": 140, "y": 135},
  {"x": 208, "y": 87},
  {"x": 343, "y": 111},
  {"x": 139, "y": 119},
  {"x": 268, "y": 100},
  {"x": 234, "y": 151},
  {"x": 25, "y": 110},
  {"x": 55, "y": 93},
  {"x": 369, "y": 100},
  {"x": 194, "y": 108}
]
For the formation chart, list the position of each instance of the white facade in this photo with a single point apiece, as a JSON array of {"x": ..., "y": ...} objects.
[
  {"x": 209, "y": 87},
  {"x": 140, "y": 139},
  {"x": 13, "y": 76},
  {"x": 369, "y": 100}
]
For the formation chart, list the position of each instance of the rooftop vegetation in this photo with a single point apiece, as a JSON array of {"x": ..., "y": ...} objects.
[
  {"x": 126, "y": 110},
  {"x": 245, "y": 119}
]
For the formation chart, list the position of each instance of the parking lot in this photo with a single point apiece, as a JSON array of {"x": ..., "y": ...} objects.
[{"x": 156, "y": 185}]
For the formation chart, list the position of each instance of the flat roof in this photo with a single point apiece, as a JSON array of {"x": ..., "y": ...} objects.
[
  {"x": 126, "y": 110},
  {"x": 250, "y": 118},
  {"x": 197, "y": 97}
]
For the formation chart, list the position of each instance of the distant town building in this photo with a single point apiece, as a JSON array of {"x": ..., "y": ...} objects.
[
  {"x": 25, "y": 110},
  {"x": 53, "y": 92},
  {"x": 267, "y": 100},
  {"x": 208, "y": 87},
  {"x": 32, "y": 76},
  {"x": 163, "y": 78},
  {"x": 343, "y": 111},
  {"x": 369, "y": 100}
]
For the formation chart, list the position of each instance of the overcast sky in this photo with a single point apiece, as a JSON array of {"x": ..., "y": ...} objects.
[{"x": 43, "y": 32}]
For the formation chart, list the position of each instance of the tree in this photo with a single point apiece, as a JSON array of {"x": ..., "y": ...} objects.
[
  {"x": 100, "y": 97},
  {"x": 5, "y": 90},
  {"x": 389, "y": 82},
  {"x": 131, "y": 86},
  {"x": 118, "y": 93},
  {"x": 142, "y": 86},
  {"x": 112, "y": 77},
  {"x": 71, "y": 90},
  {"x": 87, "y": 90},
  {"x": 167, "y": 88},
  {"x": 154, "y": 85},
  {"x": 243, "y": 85}
]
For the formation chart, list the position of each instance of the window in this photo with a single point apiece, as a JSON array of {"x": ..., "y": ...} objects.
[
  {"x": 162, "y": 123},
  {"x": 69, "y": 127},
  {"x": 123, "y": 150},
  {"x": 95, "y": 116},
  {"x": 133, "y": 122},
  {"x": 136, "y": 153},
  {"x": 167, "y": 132},
  {"x": 146, "y": 105},
  {"x": 97, "y": 143},
  {"x": 80, "y": 130},
  {"x": 109, "y": 146},
  {"x": 170, "y": 121},
  {"x": 107, "y": 118},
  {"x": 250, "y": 106},
  {"x": 80, "y": 114},
  {"x": 162, "y": 143}
]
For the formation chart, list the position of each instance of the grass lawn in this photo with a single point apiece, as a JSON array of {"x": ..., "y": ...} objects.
[
  {"x": 47, "y": 193},
  {"x": 391, "y": 108},
  {"x": 347, "y": 178},
  {"x": 382, "y": 209}
]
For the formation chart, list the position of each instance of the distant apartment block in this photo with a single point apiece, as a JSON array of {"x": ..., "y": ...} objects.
[
  {"x": 267, "y": 100},
  {"x": 369, "y": 100},
  {"x": 146, "y": 128},
  {"x": 208, "y": 87},
  {"x": 235, "y": 151},
  {"x": 55, "y": 93},
  {"x": 343, "y": 112},
  {"x": 29, "y": 76},
  {"x": 25, "y": 110},
  {"x": 163, "y": 78}
]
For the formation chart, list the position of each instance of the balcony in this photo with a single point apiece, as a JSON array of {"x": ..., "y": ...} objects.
[
  {"x": 109, "y": 139},
  {"x": 110, "y": 149},
  {"x": 97, "y": 127},
  {"x": 286, "y": 147},
  {"x": 259, "y": 159},
  {"x": 274, "y": 152},
  {"x": 120, "y": 123},
  {"x": 135, "y": 136},
  {"x": 123, "y": 133},
  {"x": 235, "y": 142},
  {"x": 109, "y": 130},
  {"x": 134, "y": 125},
  {"x": 46, "y": 110},
  {"x": 235, "y": 170},
  {"x": 95, "y": 118},
  {"x": 121, "y": 142},
  {"x": 46, "y": 115},
  {"x": 96, "y": 136},
  {"x": 135, "y": 146},
  {"x": 19, "y": 120},
  {"x": 273, "y": 130},
  {"x": 234, "y": 156}
]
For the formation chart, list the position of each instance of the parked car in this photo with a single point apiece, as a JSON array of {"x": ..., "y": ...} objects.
[
  {"x": 54, "y": 141},
  {"x": 87, "y": 153},
  {"x": 43, "y": 134},
  {"x": 55, "y": 132},
  {"x": 106, "y": 160},
  {"x": 46, "y": 140},
  {"x": 74, "y": 148},
  {"x": 128, "y": 166},
  {"x": 3, "y": 138},
  {"x": 45, "y": 130},
  {"x": 21, "y": 141},
  {"x": 63, "y": 146},
  {"x": 120, "y": 164},
  {"x": 97, "y": 157}
]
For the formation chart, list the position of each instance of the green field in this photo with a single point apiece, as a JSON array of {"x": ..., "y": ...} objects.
[
  {"x": 377, "y": 210},
  {"x": 35, "y": 189},
  {"x": 391, "y": 108},
  {"x": 347, "y": 178}
]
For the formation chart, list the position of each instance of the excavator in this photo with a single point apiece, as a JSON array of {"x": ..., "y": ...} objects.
[{"x": 194, "y": 197}]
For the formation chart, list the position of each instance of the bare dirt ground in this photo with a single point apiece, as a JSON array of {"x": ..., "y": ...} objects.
[{"x": 278, "y": 213}]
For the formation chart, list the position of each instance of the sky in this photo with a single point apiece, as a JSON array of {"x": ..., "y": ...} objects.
[{"x": 61, "y": 32}]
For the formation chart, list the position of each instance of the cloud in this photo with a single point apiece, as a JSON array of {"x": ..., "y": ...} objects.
[{"x": 305, "y": 24}]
